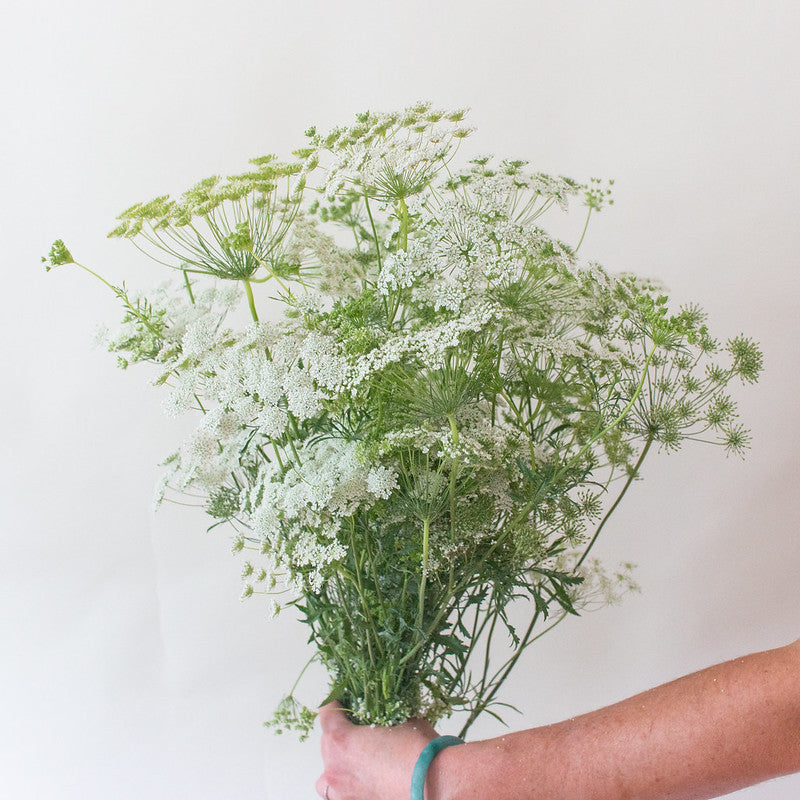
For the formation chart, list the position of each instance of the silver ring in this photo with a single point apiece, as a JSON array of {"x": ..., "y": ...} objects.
[{"x": 325, "y": 796}]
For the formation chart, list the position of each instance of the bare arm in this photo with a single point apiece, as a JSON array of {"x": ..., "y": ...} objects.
[{"x": 709, "y": 733}]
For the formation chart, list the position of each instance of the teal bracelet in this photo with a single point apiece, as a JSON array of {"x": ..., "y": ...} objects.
[{"x": 430, "y": 751}]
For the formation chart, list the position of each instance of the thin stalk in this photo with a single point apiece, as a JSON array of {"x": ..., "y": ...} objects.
[
  {"x": 511, "y": 662},
  {"x": 294, "y": 451},
  {"x": 426, "y": 533},
  {"x": 528, "y": 642},
  {"x": 362, "y": 597},
  {"x": 585, "y": 228},
  {"x": 122, "y": 295},
  {"x": 343, "y": 604},
  {"x": 487, "y": 652},
  {"x": 445, "y": 609},
  {"x": 188, "y": 286},
  {"x": 476, "y": 633},
  {"x": 278, "y": 456},
  {"x": 250, "y": 299},
  {"x": 610, "y": 511},
  {"x": 374, "y": 230},
  {"x": 302, "y": 672},
  {"x": 99, "y": 277},
  {"x": 403, "y": 237},
  {"x": 453, "y": 473},
  {"x": 375, "y": 579}
]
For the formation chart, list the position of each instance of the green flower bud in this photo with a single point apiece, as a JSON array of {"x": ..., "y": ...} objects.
[{"x": 59, "y": 254}]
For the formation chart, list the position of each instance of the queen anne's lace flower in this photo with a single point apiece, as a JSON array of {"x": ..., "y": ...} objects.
[
  {"x": 431, "y": 428},
  {"x": 382, "y": 481}
]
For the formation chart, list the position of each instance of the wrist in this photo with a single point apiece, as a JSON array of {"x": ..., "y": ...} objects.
[
  {"x": 443, "y": 773},
  {"x": 419, "y": 776},
  {"x": 473, "y": 770},
  {"x": 511, "y": 767}
]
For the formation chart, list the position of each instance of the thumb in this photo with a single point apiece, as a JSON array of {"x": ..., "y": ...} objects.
[{"x": 332, "y": 716}]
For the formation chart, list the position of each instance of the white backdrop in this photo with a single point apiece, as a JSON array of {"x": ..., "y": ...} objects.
[{"x": 129, "y": 667}]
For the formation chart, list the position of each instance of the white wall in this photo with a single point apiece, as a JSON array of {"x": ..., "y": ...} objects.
[{"x": 129, "y": 668}]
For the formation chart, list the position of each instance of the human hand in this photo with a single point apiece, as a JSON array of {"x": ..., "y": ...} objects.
[{"x": 363, "y": 762}]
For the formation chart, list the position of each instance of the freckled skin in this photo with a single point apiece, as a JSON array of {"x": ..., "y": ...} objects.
[{"x": 703, "y": 735}]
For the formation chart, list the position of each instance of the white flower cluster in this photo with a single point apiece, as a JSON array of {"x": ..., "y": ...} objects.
[
  {"x": 466, "y": 248},
  {"x": 299, "y": 509},
  {"x": 391, "y": 155},
  {"x": 382, "y": 481},
  {"x": 154, "y": 327},
  {"x": 338, "y": 273},
  {"x": 405, "y": 268},
  {"x": 429, "y": 345}
]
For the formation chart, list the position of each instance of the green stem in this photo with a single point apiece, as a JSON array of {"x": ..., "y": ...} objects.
[
  {"x": 511, "y": 662},
  {"x": 585, "y": 228},
  {"x": 302, "y": 672},
  {"x": 446, "y": 607},
  {"x": 344, "y": 604},
  {"x": 478, "y": 626},
  {"x": 453, "y": 473},
  {"x": 488, "y": 651},
  {"x": 610, "y": 511},
  {"x": 374, "y": 230},
  {"x": 122, "y": 294},
  {"x": 278, "y": 456},
  {"x": 526, "y": 642},
  {"x": 403, "y": 238},
  {"x": 111, "y": 286},
  {"x": 426, "y": 532},
  {"x": 188, "y": 286},
  {"x": 360, "y": 587},
  {"x": 250, "y": 299},
  {"x": 402, "y": 244},
  {"x": 294, "y": 452}
]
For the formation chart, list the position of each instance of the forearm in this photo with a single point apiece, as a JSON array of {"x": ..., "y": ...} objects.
[{"x": 709, "y": 733}]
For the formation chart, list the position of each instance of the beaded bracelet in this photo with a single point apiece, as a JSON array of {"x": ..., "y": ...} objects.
[{"x": 424, "y": 761}]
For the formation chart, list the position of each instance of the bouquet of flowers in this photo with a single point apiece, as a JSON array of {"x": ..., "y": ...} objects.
[{"x": 442, "y": 419}]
